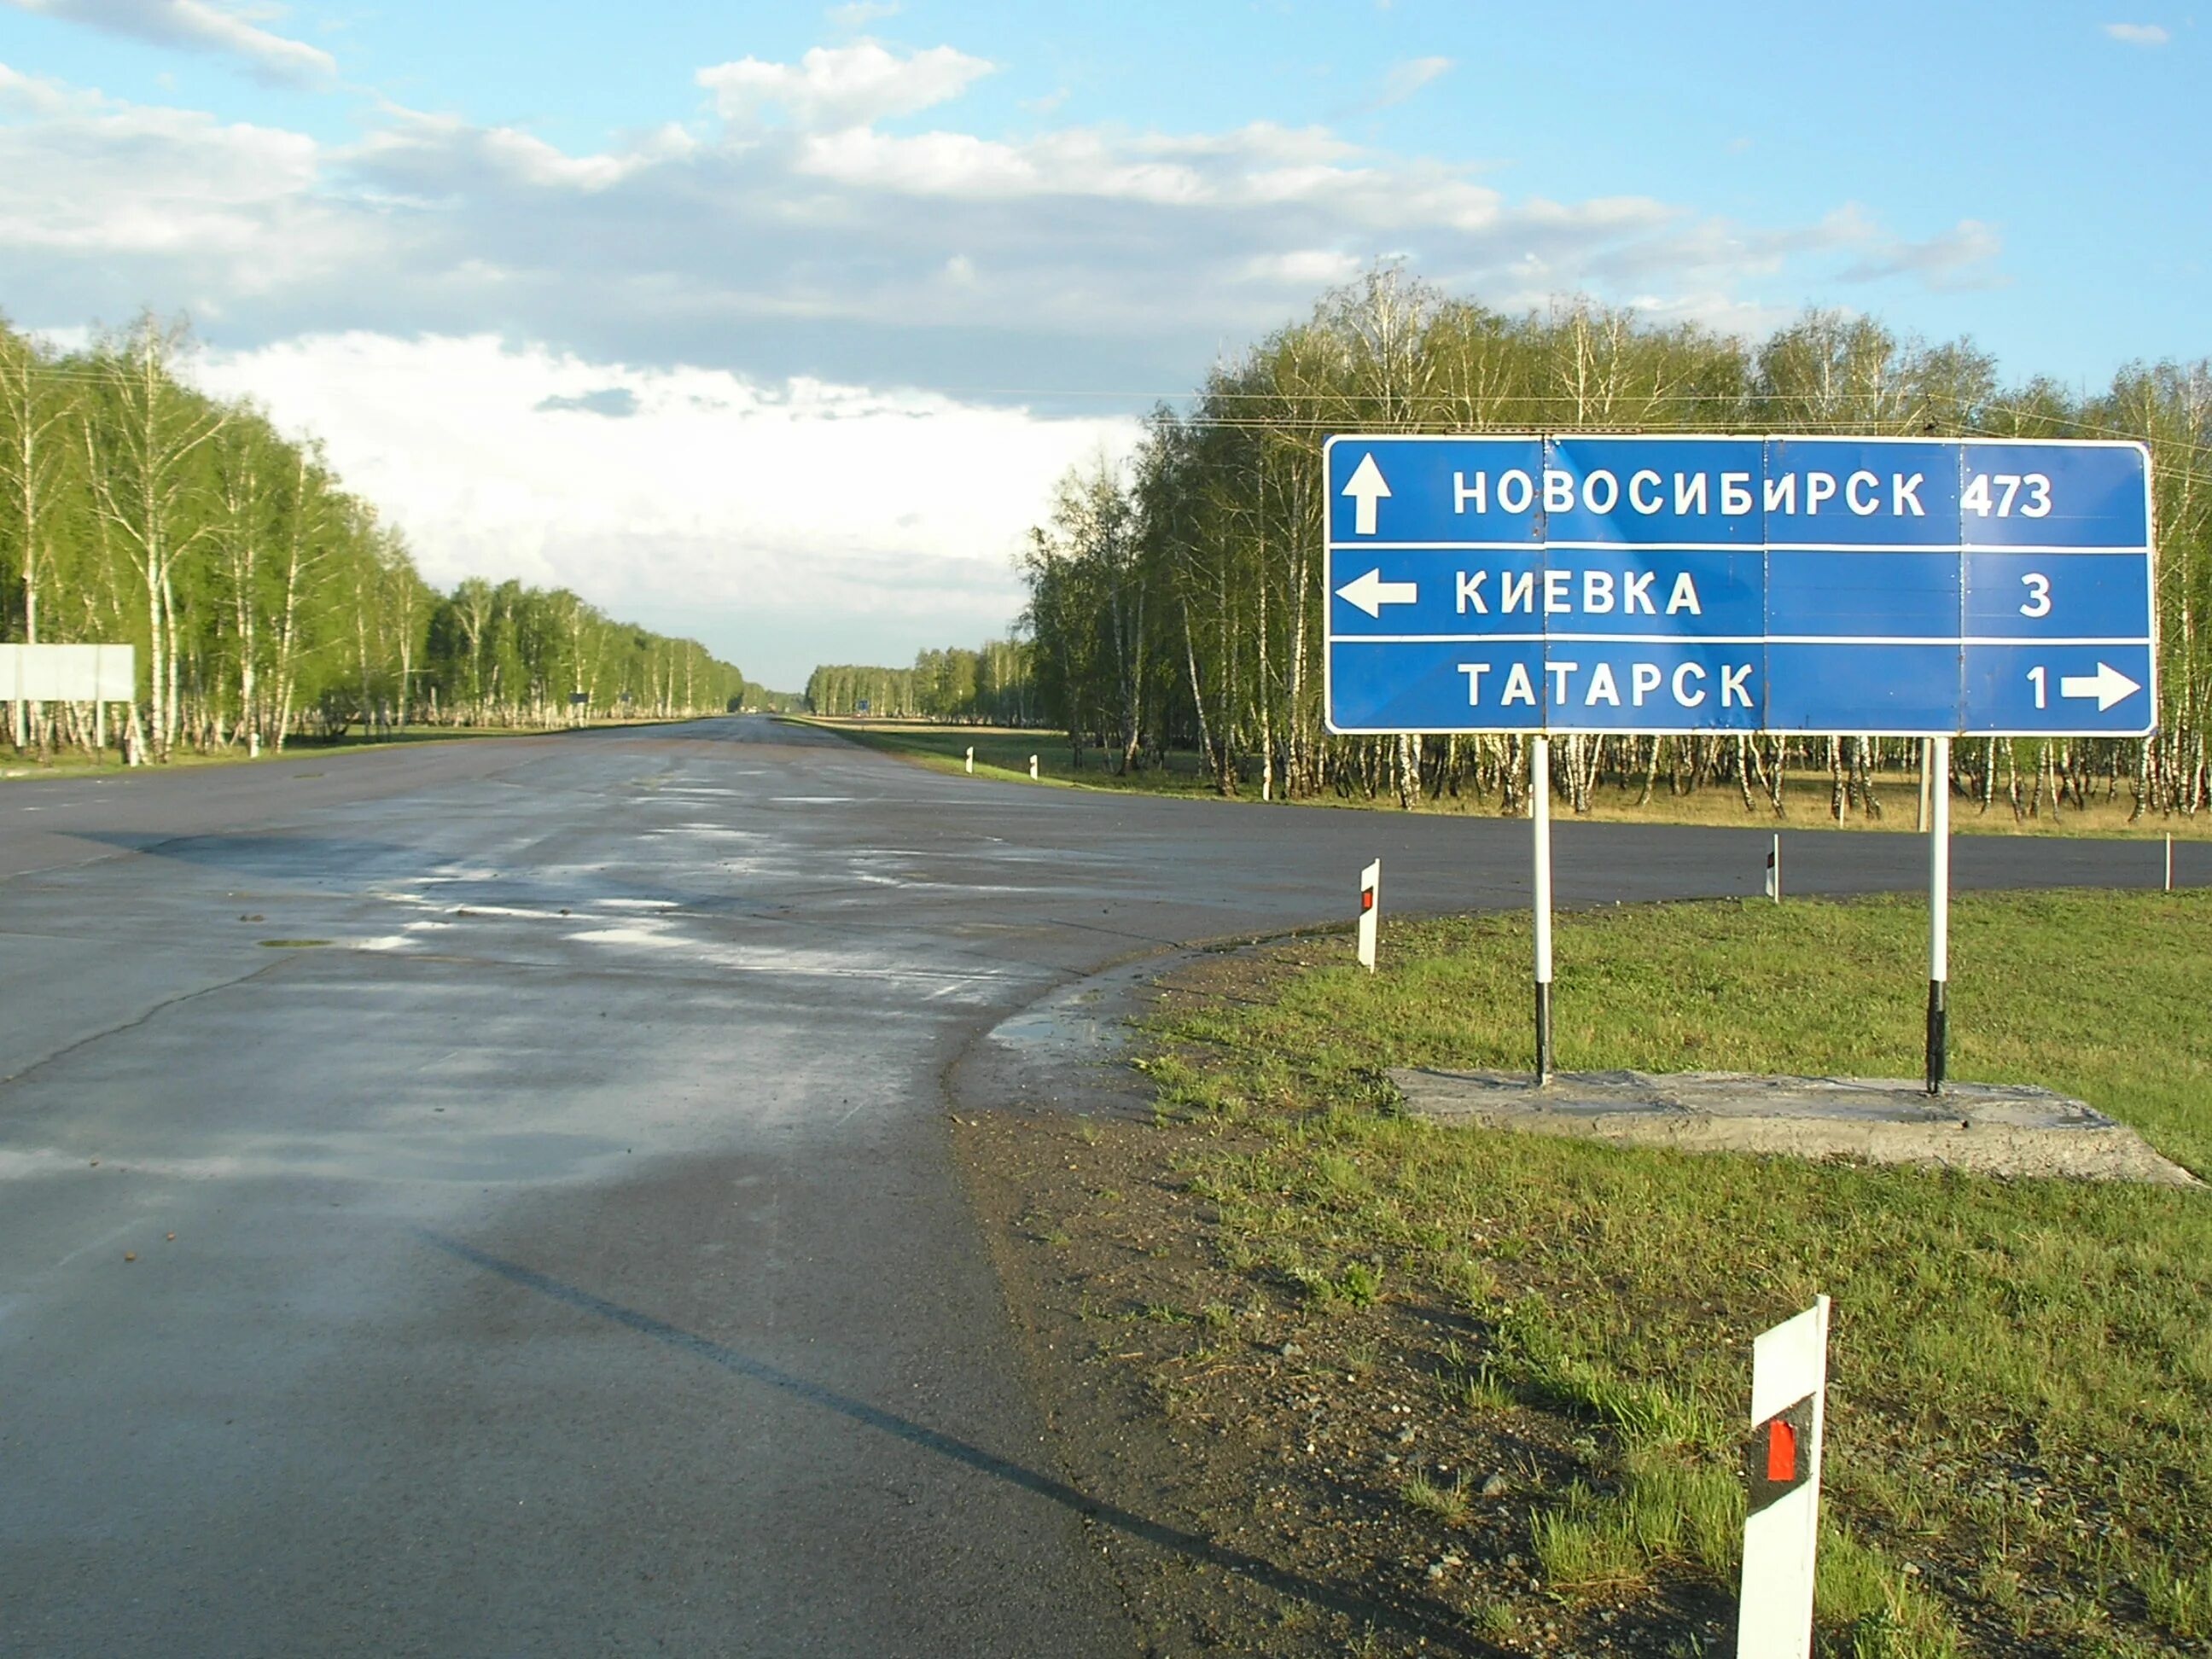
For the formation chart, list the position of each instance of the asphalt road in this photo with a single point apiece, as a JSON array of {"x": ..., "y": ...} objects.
[{"x": 564, "y": 1254}]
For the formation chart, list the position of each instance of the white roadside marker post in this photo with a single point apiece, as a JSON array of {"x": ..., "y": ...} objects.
[
  {"x": 971, "y": 760},
  {"x": 1774, "y": 870},
  {"x": 2169, "y": 864},
  {"x": 1939, "y": 907},
  {"x": 1370, "y": 915},
  {"x": 1782, "y": 1464},
  {"x": 1540, "y": 818},
  {"x": 1033, "y": 776}
]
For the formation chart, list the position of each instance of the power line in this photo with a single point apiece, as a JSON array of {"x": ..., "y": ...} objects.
[{"x": 1350, "y": 405}]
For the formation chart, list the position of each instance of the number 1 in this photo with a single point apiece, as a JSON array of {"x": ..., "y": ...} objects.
[{"x": 2035, "y": 677}]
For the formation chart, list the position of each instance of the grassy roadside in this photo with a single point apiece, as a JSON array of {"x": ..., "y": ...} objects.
[
  {"x": 2020, "y": 1460},
  {"x": 72, "y": 764},
  {"x": 1005, "y": 754}
]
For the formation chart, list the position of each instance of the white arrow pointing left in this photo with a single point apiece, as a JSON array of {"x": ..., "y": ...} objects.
[
  {"x": 1370, "y": 592},
  {"x": 2107, "y": 685}
]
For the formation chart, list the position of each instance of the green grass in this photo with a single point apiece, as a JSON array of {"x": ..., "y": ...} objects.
[
  {"x": 1004, "y": 754},
  {"x": 2021, "y": 1379},
  {"x": 1446, "y": 1502}
]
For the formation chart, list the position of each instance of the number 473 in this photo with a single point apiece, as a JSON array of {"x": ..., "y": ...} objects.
[{"x": 1981, "y": 500}]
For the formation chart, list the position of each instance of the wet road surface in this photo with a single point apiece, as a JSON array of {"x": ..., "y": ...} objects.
[{"x": 567, "y": 1256}]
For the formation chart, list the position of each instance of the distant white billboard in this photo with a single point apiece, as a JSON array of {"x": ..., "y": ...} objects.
[{"x": 68, "y": 673}]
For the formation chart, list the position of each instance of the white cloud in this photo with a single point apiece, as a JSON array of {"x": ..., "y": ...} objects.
[
  {"x": 1406, "y": 79},
  {"x": 839, "y": 87},
  {"x": 2138, "y": 34},
  {"x": 791, "y": 507},
  {"x": 714, "y": 302},
  {"x": 861, "y": 13},
  {"x": 228, "y": 208},
  {"x": 1724, "y": 313},
  {"x": 1958, "y": 257},
  {"x": 34, "y": 95},
  {"x": 196, "y": 26},
  {"x": 1077, "y": 257},
  {"x": 1311, "y": 268},
  {"x": 414, "y": 142}
]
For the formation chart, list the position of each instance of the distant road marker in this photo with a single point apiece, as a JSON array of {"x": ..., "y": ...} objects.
[{"x": 1370, "y": 908}]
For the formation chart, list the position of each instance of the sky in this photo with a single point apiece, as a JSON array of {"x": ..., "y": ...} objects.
[{"x": 773, "y": 326}]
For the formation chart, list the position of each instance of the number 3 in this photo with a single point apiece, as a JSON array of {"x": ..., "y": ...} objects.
[{"x": 2039, "y": 594}]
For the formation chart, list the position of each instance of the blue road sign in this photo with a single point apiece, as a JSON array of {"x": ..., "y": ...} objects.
[{"x": 1909, "y": 588}]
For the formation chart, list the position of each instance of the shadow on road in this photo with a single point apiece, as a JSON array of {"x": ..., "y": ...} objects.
[{"x": 1412, "y": 1616}]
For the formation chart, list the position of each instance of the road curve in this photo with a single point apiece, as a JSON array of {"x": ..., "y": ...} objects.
[{"x": 534, "y": 1157}]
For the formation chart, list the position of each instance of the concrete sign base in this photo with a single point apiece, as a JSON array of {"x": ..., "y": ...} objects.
[{"x": 1984, "y": 1128}]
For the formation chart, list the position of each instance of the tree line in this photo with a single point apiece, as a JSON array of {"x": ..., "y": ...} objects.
[
  {"x": 1175, "y": 600},
  {"x": 265, "y": 600},
  {"x": 992, "y": 685}
]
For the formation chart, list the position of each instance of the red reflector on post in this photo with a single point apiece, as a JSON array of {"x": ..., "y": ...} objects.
[
  {"x": 1367, "y": 900},
  {"x": 1781, "y": 1451}
]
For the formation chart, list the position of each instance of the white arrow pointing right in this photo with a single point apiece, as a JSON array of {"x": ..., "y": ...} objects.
[{"x": 2107, "y": 685}]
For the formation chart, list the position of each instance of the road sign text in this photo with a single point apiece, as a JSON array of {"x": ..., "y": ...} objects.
[{"x": 1906, "y": 587}]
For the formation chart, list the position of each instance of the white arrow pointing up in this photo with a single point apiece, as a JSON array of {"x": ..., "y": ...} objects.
[
  {"x": 1366, "y": 486},
  {"x": 2107, "y": 685},
  {"x": 1370, "y": 592}
]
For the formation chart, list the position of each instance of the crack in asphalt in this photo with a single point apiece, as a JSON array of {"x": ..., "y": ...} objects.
[{"x": 132, "y": 1024}]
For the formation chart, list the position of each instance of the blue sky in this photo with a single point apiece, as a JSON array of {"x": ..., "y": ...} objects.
[{"x": 931, "y": 203}]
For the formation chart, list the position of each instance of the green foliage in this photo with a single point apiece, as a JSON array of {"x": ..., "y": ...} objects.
[
  {"x": 1176, "y": 605},
  {"x": 1446, "y": 1502},
  {"x": 991, "y": 685},
  {"x": 263, "y": 599},
  {"x": 2021, "y": 1371}
]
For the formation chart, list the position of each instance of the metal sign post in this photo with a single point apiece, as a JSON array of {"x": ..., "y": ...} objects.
[
  {"x": 1939, "y": 906},
  {"x": 1540, "y": 822}
]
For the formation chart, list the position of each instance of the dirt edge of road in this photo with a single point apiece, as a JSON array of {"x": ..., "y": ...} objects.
[{"x": 1248, "y": 1456}]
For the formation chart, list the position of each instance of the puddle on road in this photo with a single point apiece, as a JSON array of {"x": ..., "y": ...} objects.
[{"x": 1082, "y": 1021}]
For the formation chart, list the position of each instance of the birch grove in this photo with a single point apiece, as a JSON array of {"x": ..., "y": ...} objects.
[
  {"x": 1176, "y": 602},
  {"x": 992, "y": 685},
  {"x": 265, "y": 601}
]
